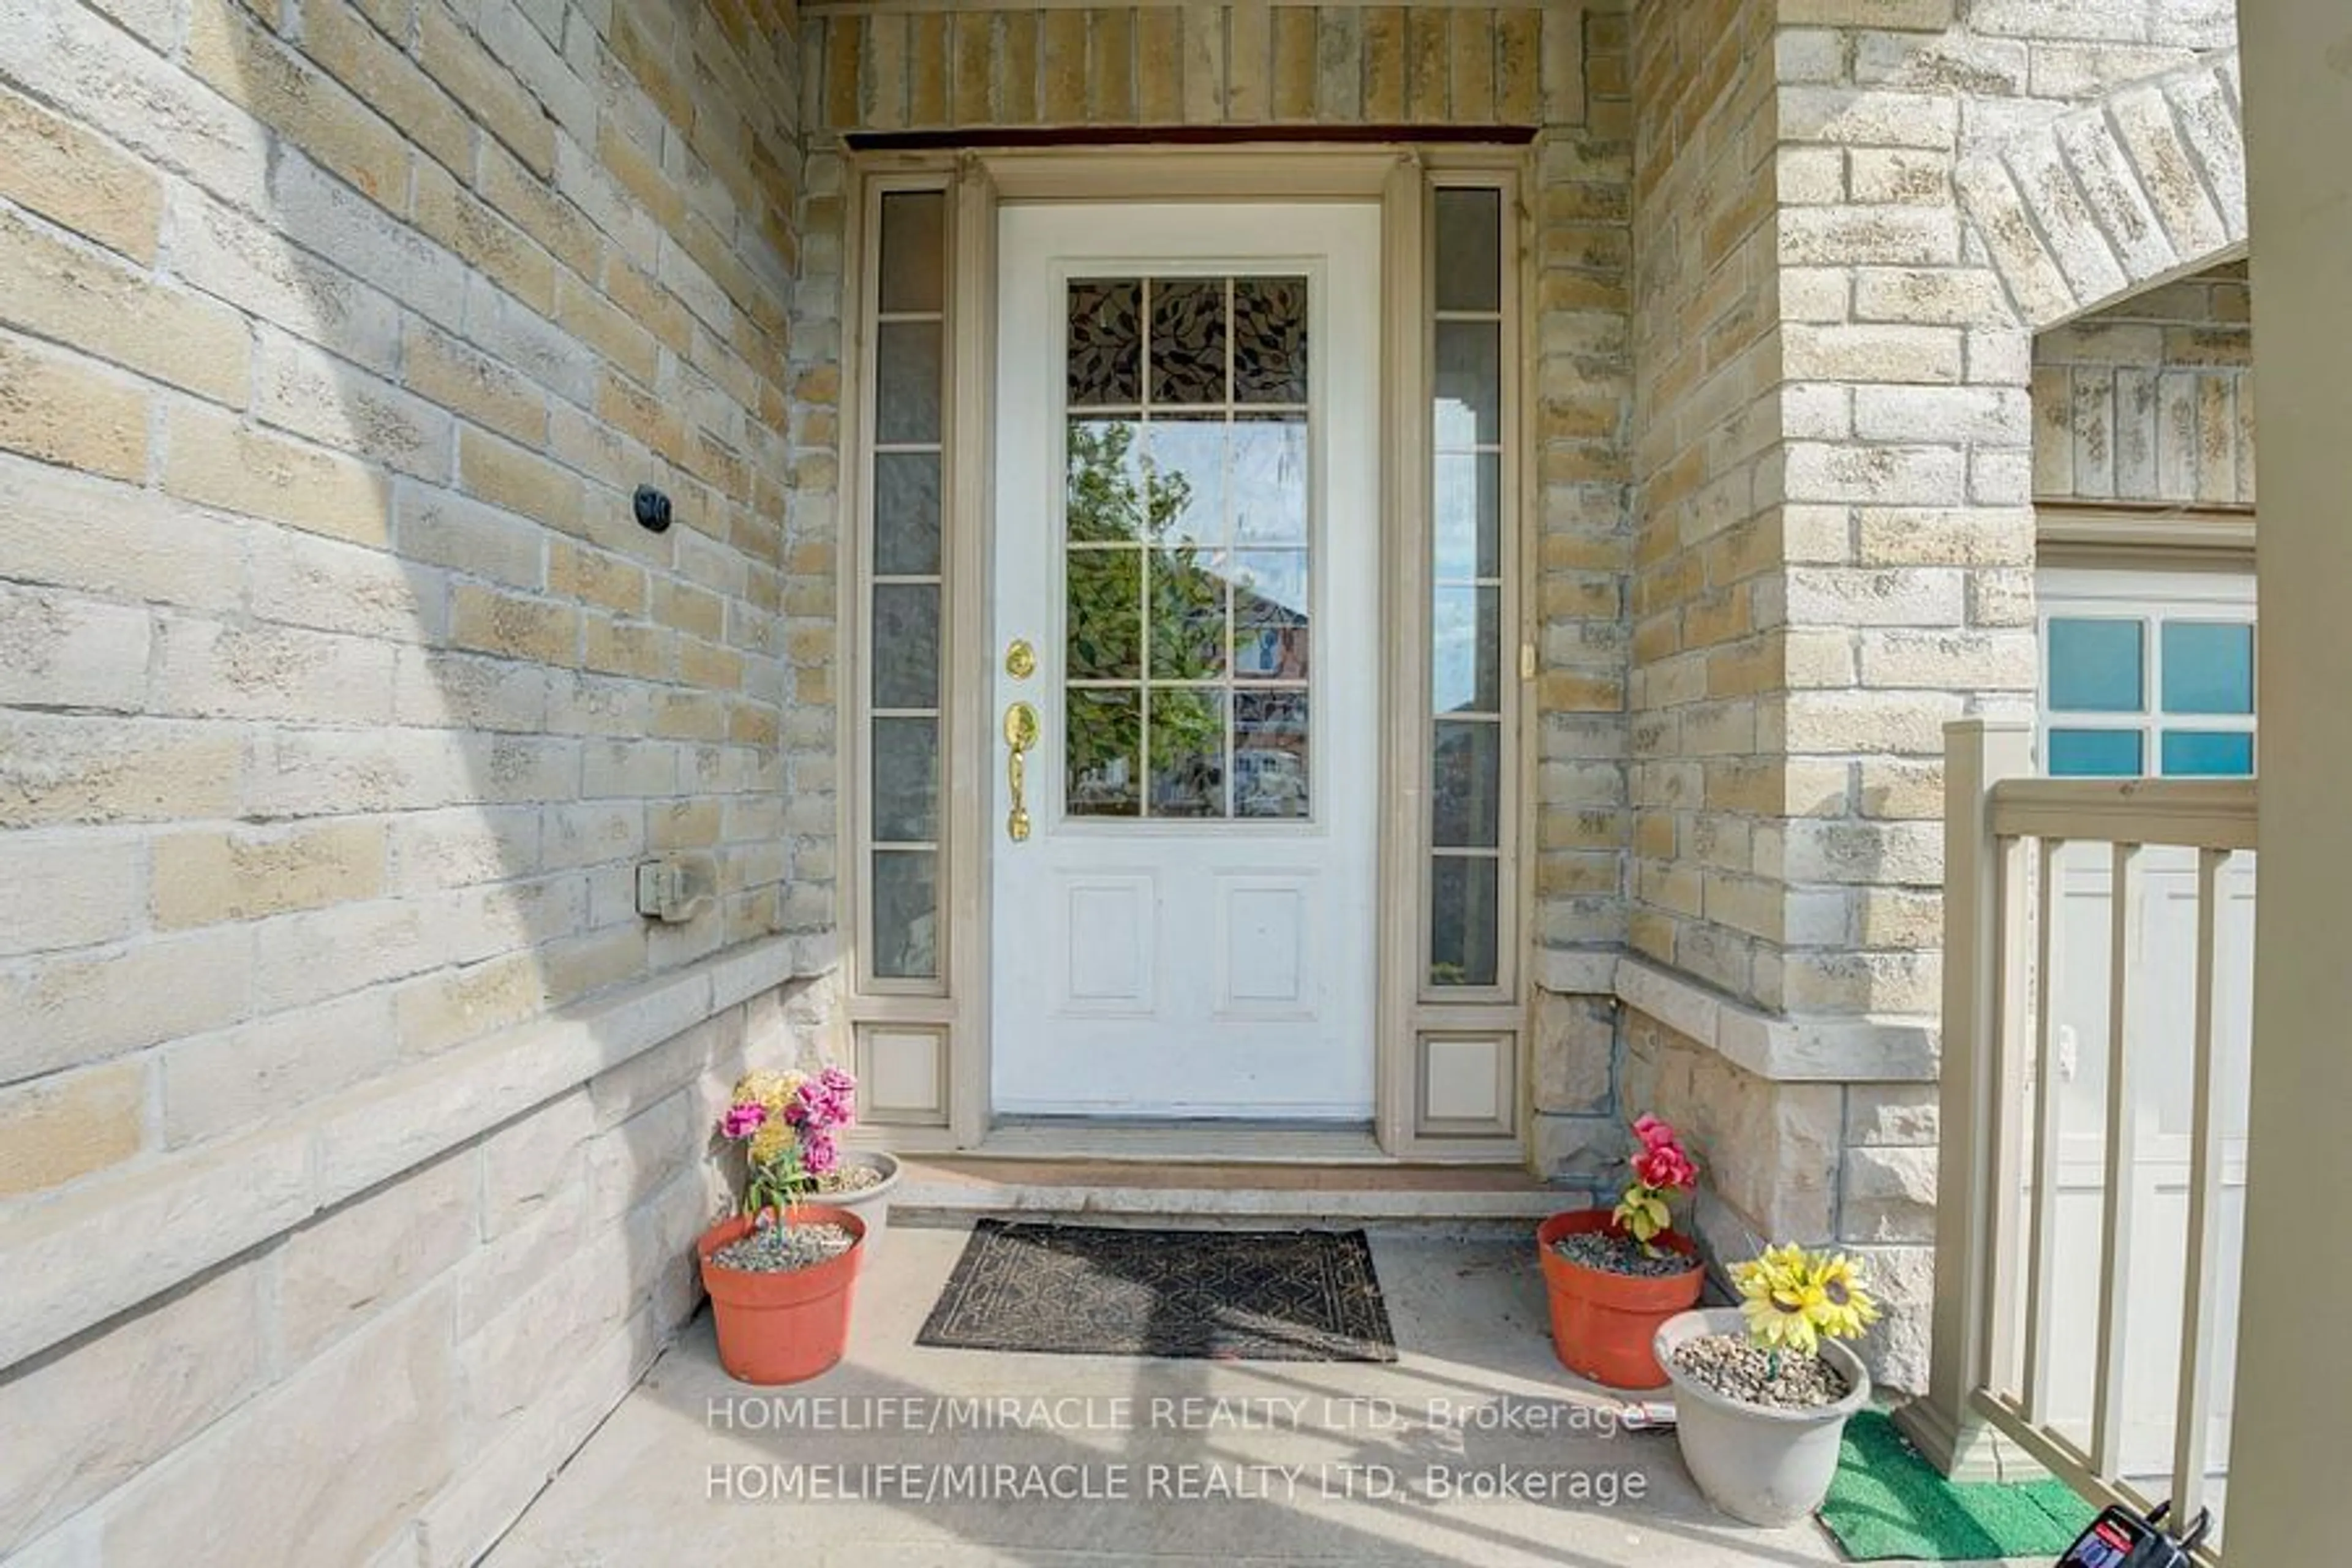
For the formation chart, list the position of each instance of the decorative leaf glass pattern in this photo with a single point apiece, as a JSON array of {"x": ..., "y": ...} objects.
[
  {"x": 1188, "y": 340},
  {"x": 1106, "y": 343},
  {"x": 1187, "y": 558},
  {"x": 1269, "y": 340}
]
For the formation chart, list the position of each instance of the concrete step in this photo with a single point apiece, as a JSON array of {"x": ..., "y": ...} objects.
[{"x": 1484, "y": 1201}]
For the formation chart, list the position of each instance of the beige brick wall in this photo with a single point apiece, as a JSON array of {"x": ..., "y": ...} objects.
[
  {"x": 2151, "y": 399},
  {"x": 1704, "y": 649},
  {"x": 340, "y": 695},
  {"x": 393, "y": 1380},
  {"x": 337, "y": 341}
]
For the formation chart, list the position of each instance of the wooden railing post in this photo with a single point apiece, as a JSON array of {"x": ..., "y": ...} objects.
[{"x": 1978, "y": 754}]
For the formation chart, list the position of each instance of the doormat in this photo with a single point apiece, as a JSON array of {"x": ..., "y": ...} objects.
[
  {"x": 1220, "y": 1295},
  {"x": 1889, "y": 1502}
]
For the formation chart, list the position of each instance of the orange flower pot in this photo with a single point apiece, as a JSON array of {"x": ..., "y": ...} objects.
[
  {"x": 781, "y": 1328},
  {"x": 1602, "y": 1323}
]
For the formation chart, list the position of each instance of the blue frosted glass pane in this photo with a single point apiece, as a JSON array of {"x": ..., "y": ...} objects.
[
  {"x": 2095, "y": 666},
  {"x": 2094, "y": 754},
  {"x": 2207, "y": 668},
  {"x": 2207, "y": 754}
]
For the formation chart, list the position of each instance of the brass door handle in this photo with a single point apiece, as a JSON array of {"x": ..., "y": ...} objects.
[{"x": 1021, "y": 729}]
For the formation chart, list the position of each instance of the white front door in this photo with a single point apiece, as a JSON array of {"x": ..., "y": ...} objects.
[{"x": 1186, "y": 527}]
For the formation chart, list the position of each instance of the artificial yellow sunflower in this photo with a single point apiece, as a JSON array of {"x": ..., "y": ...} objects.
[
  {"x": 1846, "y": 1308},
  {"x": 1779, "y": 1298}
]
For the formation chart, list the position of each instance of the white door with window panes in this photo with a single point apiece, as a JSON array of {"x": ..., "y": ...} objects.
[
  {"x": 2145, "y": 674},
  {"x": 1186, "y": 665}
]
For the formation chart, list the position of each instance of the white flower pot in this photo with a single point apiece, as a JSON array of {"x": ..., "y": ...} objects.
[
  {"x": 1756, "y": 1463},
  {"x": 872, "y": 1204}
]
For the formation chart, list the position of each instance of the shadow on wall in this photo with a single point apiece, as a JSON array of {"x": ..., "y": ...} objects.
[{"x": 344, "y": 695}]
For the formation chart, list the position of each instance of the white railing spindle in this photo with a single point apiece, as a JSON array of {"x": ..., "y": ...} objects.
[
  {"x": 2202, "y": 1277},
  {"x": 2126, "y": 892},
  {"x": 2041, "y": 1266}
]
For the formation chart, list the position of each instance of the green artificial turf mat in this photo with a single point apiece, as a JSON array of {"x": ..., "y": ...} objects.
[{"x": 1887, "y": 1502}]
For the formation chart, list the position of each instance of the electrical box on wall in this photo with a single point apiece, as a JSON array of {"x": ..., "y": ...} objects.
[{"x": 676, "y": 888}]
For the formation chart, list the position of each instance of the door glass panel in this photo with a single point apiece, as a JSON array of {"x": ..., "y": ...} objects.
[
  {"x": 1463, "y": 942},
  {"x": 1106, "y": 343},
  {"x": 1469, "y": 384},
  {"x": 1270, "y": 480},
  {"x": 1188, "y": 340},
  {"x": 2209, "y": 753},
  {"x": 1104, "y": 501},
  {"x": 1469, "y": 779},
  {"x": 1188, "y": 614},
  {"x": 1470, "y": 249},
  {"x": 906, "y": 781},
  {"x": 908, "y": 376},
  {"x": 1469, "y": 515},
  {"x": 2208, "y": 668},
  {"x": 1271, "y": 620},
  {"x": 1106, "y": 592},
  {"x": 1188, "y": 752},
  {"x": 1468, "y": 631},
  {"x": 2094, "y": 753},
  {"x": 906, "y": 913},
  {"x": 906, "y": 644},
  {"x": 2096, "y": 667},
  {"x": 1270, "y": 744},
  {"x": 1106, "y": 753},
  {"x": 905, "y": 514},
  {"x": 914, "y": 252},
  {"x": 1187, "y": 480},
  {"x": 1270, "y": 340},
  {"x": 1189, "y": 565}
]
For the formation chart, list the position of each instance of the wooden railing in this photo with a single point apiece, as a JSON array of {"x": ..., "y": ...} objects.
[{"x": 2051, "y": 1337}]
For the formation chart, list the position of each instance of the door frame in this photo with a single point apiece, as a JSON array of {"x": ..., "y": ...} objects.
[{"x": 922, "y": 1048}]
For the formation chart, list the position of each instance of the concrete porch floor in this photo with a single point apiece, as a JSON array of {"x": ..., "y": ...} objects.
[{"x": 1232, "y": 1462}]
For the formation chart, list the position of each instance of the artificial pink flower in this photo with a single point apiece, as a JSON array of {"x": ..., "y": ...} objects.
[
  {"x": 1664, "y": 1167},
  {"x": 1654, "y": 1133},
  {"x": 819, "y": 1154},
  {"x": 742, "y": 1121}
]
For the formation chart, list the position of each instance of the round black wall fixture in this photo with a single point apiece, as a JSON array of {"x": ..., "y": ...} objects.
[{"x": 653, "y": 508}]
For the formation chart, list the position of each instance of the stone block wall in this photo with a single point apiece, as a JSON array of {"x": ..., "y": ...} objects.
[
  {"x": 1796, "y": 1028},
  {"x": 2151, "y": 399},
  {"x": 339, "y": 695}
]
